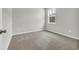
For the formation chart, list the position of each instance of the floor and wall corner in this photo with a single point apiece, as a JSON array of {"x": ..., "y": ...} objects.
[{"x": 30, "y": 29}]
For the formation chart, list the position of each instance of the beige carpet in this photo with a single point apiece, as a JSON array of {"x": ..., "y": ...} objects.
[{"x": 42, "y": 40}]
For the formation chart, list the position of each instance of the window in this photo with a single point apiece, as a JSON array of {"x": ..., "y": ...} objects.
[{"x": 51, "y": 15}]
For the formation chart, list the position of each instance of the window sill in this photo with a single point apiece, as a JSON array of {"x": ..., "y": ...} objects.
[{"x": 51, "y": 23}]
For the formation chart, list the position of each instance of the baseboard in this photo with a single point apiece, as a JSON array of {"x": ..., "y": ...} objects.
[
  {"x": 8, "y": 43},
  {"x": 69, "y": 36},
  {"x": 27, "y": 32}
]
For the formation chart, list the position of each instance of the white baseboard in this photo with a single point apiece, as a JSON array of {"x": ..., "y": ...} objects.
[
  {"x": 8, "y": 43},
  {"x": 64, "y": 34},
  {"x": 27, "y": 32}
]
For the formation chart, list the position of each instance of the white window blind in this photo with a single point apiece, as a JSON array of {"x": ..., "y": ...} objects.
[{"x": 51, "y": 11}]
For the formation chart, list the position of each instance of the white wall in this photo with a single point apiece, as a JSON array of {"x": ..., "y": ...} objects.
[
  {"x": 67, "y": 22},
  {"x": 27, "y": 20},
  {"x": 7, "y": 24}
]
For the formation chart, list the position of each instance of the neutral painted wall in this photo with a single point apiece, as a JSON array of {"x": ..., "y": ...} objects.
[
  {"x": 27, "y": 20},
  {"x": 7, "y": 25},
  {"x": 67, "y": 22}
]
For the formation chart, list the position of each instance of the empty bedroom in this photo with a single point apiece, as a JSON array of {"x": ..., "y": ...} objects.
[{"x": 40, "y": 29}]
